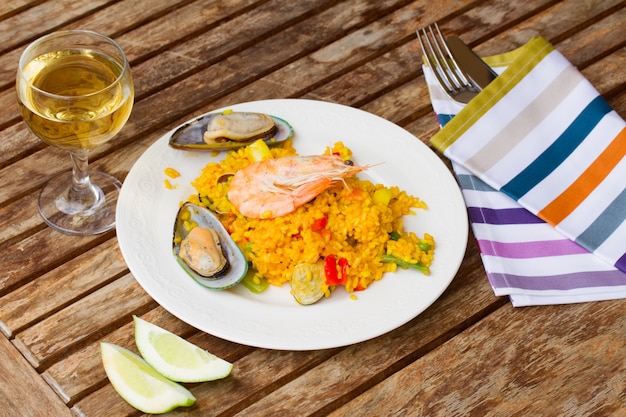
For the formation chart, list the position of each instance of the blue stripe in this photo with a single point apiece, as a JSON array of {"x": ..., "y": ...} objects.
[
  {"x": 556, "y": 153},
  {"x": 444, "y": 118},
  {"x": 605, "y": 224},
  {"x": 470, "y": 182}
]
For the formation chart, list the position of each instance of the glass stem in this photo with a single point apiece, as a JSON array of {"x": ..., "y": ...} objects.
[{"x": 82, "y": 192}]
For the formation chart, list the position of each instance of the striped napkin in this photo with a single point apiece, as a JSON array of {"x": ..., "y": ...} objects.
[{"x": 539, "y": 157}]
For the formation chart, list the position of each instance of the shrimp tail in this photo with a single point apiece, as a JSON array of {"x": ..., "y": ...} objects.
[{"x": 308, "y": 191}]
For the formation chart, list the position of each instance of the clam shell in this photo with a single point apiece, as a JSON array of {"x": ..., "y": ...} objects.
[
  {"x": 190, "y": 136},
  {"x": 306, "y": 283},
  {"x": 205, "y": 218}
]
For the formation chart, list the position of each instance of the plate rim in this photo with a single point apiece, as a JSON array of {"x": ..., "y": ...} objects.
[{"x": 281, "y": 343}]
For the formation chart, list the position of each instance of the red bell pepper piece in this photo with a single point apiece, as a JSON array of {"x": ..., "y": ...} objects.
[
  {"x": 343, "y": 265},
  {"x": 319, "y": 224},
  {"x": 330, "y": 270}
]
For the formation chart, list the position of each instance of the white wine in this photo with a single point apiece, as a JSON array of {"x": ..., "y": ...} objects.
[
  {"x": 75, "y": 99},
  {"x": 75, "y": 92}
]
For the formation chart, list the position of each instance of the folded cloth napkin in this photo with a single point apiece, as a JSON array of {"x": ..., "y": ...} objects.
[{"x": 540, "y": 145}]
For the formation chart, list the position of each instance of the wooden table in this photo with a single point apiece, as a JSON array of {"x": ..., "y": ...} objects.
[{"x": 470, "y": 353}]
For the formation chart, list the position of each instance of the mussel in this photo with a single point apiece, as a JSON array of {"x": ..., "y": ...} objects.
[
  {"x": 229, "y": 130},
  {"x": 205, "y": 250},
  {"x": 202, "y": 250}
]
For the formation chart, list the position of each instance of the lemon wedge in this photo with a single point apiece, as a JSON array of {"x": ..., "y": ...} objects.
[
  {"x": 174, "y": 357},
  {"x": 140, "y": 385}
]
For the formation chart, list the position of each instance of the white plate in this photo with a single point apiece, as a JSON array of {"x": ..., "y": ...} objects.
[{"x": 146, "y": 211}]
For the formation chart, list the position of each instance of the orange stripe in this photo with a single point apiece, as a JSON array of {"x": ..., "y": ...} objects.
[{"x": 564, "y": 204}]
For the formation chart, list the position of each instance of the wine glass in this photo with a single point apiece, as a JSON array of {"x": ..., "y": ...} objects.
[{"x": 75, "y": 92}]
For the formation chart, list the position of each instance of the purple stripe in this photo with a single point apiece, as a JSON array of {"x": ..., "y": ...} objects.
[
  {"x": 536, "y": 249},
  {"x": 502, "y": 216},
  {"x": 621, "y": 263},
  {"x": 571, "y": 281}
]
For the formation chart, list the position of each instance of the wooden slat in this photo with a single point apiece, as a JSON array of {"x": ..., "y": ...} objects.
[
  {"x": 22, "y": 261},
  {"x": 22, "y": 391},
  {"x": 349, "y": 51},
  {"x": 599, "y": 38},
  {"x": 544, "y": 353},
  {"x": 9, "y": 8},
  {"x": 29, "y": 24},
  {"x": 61, "y": 286},
  {"x": 122, "y": 16},
  {"x": 244, "y": 31},
  {"x": 180, "y": 24},
  {"x": 84, "y": 320},
  {"x": 115, "y": 19},
  {"x": 556, "y": 23}
]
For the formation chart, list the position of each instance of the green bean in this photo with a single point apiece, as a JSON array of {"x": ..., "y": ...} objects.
[{"x": 419, "y": 266}]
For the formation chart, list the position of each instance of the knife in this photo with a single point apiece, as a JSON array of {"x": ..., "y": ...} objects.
[{"x": 477, "y": 70}]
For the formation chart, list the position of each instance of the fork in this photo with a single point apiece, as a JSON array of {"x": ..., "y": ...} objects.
[{"x": 438, "y": 57}]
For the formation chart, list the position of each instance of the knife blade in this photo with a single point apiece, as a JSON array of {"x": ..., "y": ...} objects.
[{"x": 479, "y": 73}]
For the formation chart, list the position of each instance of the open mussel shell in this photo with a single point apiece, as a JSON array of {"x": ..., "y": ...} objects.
[
  {"x": 190, "y": 136},
  {"x": 226, "y": 275}
]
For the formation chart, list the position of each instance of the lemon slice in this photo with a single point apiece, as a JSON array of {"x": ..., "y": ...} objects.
[
  {"x": 140, "y": 385},
  {"x": 174, "y": 357}
]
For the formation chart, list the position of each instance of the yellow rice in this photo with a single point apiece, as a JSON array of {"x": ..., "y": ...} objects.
[{"x": 358, "y": 227}]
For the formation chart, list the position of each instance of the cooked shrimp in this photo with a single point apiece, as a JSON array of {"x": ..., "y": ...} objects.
[{"x": 275, "y": 187}]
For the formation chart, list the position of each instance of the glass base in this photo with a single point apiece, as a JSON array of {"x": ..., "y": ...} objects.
[{"x": 92, "y": 216}]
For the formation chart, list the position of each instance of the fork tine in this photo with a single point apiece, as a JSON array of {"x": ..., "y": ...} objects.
[
  {"x": 457, "y": 76},
  {"x": 440, "y": 59},
  {"x": 432, "y": 59}
]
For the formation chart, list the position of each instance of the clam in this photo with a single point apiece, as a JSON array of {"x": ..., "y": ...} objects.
[
  {"x": 307, "y": 283},
  {"x": 229, "y": 130},
  {"x": 205, "y": 250}
]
